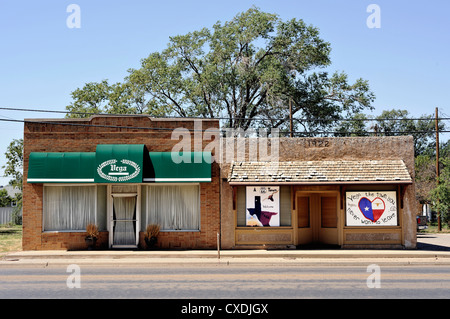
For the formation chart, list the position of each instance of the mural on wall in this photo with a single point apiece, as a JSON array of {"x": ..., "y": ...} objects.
[
  {"x": 371, "y": 208},
  {"x": 263, "y": 206}
]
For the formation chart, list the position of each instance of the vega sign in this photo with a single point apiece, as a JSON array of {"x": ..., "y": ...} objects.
[
  {"x": 118, "y": 171},
  {"x": 119, "y": 163},
  {"x": 371, "y": 208}
]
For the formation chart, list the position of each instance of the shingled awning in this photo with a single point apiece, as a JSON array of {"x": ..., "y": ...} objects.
[{"x": 320, "y": 172}]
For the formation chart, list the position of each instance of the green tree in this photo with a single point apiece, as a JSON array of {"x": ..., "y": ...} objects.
[
  {"x": 399, "y": 122},
  {"x": 249, "y": 67},
  {"x": 14, "y": 169},
  {"x": 356, "y": 126},
  {"x": 425, "y": 177},
  {"x": 394, "y": 123},
  {"x": 440, "y": 194},
  {"x": 14, "y": 163},
  {"x": 427, "y": 188},
  {"x": 5, "y": 199}
]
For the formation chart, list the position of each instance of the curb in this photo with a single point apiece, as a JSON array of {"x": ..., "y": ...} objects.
[
  {"x": 117, "y": 254},
  {"x": 227, "y": 257}
]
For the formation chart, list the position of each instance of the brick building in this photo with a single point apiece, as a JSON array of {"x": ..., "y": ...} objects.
[
  {"x": 118, "y": 173},
  {"x": 125, "y": 172}
]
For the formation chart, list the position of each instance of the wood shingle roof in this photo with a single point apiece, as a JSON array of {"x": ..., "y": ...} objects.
[{"x": 318, "y": 172}]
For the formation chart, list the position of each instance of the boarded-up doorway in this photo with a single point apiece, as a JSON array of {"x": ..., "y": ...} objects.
[{"x": 317, "y": 218}]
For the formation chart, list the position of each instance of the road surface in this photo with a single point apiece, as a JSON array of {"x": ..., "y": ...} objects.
[{"x": 252, "y": 281}]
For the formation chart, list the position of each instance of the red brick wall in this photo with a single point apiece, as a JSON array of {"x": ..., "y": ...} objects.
[{"x": 154, "y": 133}]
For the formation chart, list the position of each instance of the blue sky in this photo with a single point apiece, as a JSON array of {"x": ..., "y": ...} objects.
[{"x": 42, "y": 60}]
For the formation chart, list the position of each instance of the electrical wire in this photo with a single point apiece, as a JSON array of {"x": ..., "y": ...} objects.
[
  {"x": 222, "y": 131},
  {"x": 223, "y": 118}
]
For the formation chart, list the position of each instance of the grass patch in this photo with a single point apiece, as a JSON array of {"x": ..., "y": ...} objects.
[
  {"x": 433, "y": 228},
  {"x": 10, "y": 238}
]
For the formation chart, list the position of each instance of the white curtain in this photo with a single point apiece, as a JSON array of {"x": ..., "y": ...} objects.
[
  {"x": 174, "y": 207},
  {"x": 69, "y": 207},
  {"x": 124, "y": 220}
]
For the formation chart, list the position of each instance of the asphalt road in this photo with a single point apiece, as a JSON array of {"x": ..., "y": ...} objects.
[
  {"x": 228, "y": 281},
  {"x": 189, "y": 285}
]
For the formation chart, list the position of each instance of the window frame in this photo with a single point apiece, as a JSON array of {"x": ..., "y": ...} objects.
[
  {"x": 174, "y": 184},
  {"x": 46, "y": 185}
]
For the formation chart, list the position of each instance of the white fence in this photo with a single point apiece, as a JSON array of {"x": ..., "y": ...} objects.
[{"x": 5, "y": 214}]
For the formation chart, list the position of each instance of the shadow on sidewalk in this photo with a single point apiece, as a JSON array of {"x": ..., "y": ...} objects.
[
  {"x": 431, "y": 247},
  {"x": 318, "y": 247},
  {"x": 432, "y": 242}
]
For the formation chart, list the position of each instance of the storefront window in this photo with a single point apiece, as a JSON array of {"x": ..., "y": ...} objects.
[
  {"x": 371, "y": 208},
  {"x": 174, "y": 207},
  {"x": 282, "y": 207},
  {"x": 69, "y": 207}
]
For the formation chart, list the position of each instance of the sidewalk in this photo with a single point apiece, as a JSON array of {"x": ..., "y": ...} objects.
[{"x": 432, "y": 248}]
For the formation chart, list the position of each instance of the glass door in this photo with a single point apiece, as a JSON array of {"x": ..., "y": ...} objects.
[
  {"x": 124, "y": 221},
  {"x": 124, "y": 209}
]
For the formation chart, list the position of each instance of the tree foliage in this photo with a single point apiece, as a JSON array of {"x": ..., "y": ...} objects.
[
  {"x": 440, "y": 195},
  {"x": 5, "y": 199},
  {"x": 14, "y": 170},
  {"x": 249, "y": 67},
  {"x": 394, "y": 123},
  {"x": 14, "y": 163},
  {"x": 427, "y": 188}
]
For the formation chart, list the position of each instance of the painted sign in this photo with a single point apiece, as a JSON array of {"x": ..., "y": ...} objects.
[
  {"x": 263, "y": 206},
  {"x": 119, "y": 163},
  {"x": 371, "y": 208},
  {"x": 118, "y": 171}
]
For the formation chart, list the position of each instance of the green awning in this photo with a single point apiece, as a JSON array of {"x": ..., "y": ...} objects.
[
  {"x": 187, "y": 167},
  {"x": 117, "y": 163},
  {"x": 73, "y": 167}
]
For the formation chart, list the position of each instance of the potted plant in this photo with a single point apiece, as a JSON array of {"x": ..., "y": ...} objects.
[
  {"x": 151, "y": 235},
  {"x": 91, "y": 237}
]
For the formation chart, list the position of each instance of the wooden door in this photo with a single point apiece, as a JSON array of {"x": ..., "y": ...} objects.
[
  {"x": 317, "y": 218},
  {"x": 328, "y": 210}
]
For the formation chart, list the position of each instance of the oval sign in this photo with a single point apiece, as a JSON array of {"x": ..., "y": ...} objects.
[{"x": 118, "y": 171}]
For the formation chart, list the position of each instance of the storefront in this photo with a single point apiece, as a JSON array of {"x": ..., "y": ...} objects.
[
  {"x": 123, "y": 173},
  {"x": 347, "y": 192},
  {"x": 119, "y": 186}
]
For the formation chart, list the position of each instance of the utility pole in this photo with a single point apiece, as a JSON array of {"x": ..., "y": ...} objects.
[{"x": 437, "y": 166}]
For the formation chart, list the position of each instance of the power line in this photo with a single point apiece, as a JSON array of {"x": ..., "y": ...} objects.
[
  {"x": 217, "y": 131},
  {"x": 298, "y": 133},
  {"x": 223, "y": 118}
]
